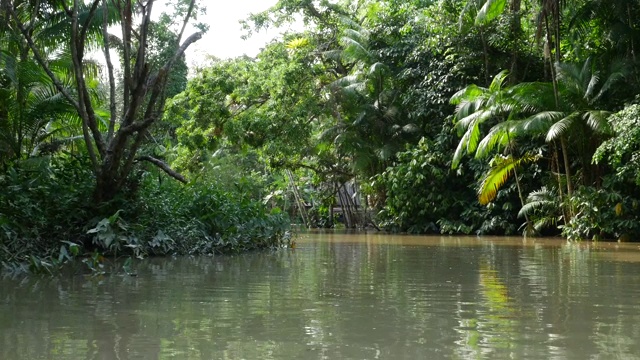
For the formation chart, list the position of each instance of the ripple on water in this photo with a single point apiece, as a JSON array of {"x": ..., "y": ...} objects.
[{"x": 342, "y": 297}]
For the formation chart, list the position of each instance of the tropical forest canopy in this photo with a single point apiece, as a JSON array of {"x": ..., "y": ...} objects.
[{"x": 442, "y": 116}]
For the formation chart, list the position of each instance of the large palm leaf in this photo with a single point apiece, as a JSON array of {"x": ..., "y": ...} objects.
[
  {"x": 581, "y": 86},
  {"x": 474, "y": 106},
  {"x": 502, "y": 167},
  {"x": 34, "y": 107}
]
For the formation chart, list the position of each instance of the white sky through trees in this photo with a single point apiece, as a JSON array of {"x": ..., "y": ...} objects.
[{"x": 223, "y": 40}]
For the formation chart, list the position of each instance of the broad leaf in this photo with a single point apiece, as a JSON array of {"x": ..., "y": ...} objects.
[{"x": 489, "y": 11}]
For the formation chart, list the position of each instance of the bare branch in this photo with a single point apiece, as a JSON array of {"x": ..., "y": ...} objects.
[
  {"x": 85, "y": 26},
  {"x": 131, "y": 159},
  {"x": 159, "y": 81},
  {"x": 190, "y": 40},
  {"x": 34, "y": 15},
  {"x": 138, "y": 126},
  {"x": 136, "y": 97},
  {"x": 86, "y": 111},
  {"x": 138, "y": 71},
  {"x": 162, "y": 165},
  {"x": 126, "y": 24},
  {"x": 112, "y": 81},
  {"x": 192, "y": 4}
]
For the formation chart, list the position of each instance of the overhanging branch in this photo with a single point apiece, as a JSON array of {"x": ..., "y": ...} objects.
[{"x": 162, "y": 165}]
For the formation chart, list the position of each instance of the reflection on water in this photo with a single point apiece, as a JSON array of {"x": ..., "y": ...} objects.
[{"x": 342, "y": 297}]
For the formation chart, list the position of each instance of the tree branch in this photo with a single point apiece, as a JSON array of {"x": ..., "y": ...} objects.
[
  {"x": 186, "y": 20},
  {"x": 87, "y": 22},
  {"x": 84, "y": 99},
  {"x": 139, "y": 69},
  {"x": 112, "y": 81},
  {"x": 126, "y": 26},
  {"x": 34, "y": 16},
  {"x": 58, "y": 84},
  {"x": 40, "y": 59},
  {"x": 162, "y": 165},
  {"x": 153, "y": 82},
  {"x": 158, "y": 82}
]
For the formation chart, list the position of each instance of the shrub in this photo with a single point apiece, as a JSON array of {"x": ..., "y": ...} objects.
[{"x": 47, "y": 217}]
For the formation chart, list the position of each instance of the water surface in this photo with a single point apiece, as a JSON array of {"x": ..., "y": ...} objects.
[{"x": 366, "y": 296}]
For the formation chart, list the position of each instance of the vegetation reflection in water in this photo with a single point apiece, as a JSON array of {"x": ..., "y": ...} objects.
[{"x": 341, "y": 297}]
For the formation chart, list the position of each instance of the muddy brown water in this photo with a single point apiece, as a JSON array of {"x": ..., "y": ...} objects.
[{"x": 341, "y": 296}]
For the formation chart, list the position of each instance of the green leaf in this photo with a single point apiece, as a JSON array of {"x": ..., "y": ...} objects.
[
  {"x": 561, "y": 127},
  {"x": 501, "y": 169}
]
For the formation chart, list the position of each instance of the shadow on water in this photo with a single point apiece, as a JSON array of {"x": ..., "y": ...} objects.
[{"x": 341, "y": 296}]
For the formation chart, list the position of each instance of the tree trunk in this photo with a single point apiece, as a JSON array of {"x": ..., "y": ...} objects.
[
  {"x": 485, "y": 53},
  {"x": 113, "y": 156},
  {"x": 515, "y": 174},
  {"x": 516, "y": 30},
  {"x": 567, "y": 171}
]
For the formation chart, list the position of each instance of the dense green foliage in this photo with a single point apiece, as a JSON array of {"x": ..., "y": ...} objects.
[
  {"x": 45, "y": 212},
  {"x": 424, "y": 116},
  {"x": 82, "y": 171},
  {"x": 402, "y": 71}
]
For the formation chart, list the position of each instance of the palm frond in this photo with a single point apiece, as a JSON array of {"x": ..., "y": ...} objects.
[
  {"x": 536, "y": 200},
  {"x": 354, "y": 50},
  {"x": 532, "y": 97},
  {"x": 543, "y": 208},
  {"x": 477, "y": 117},
  {"x": 468, "y": 94},
  {"x": 498, "y": 80},
  {"x": 472, "y": 134},
  {"x": 467, "y": 108},
  {"x": 378, "y": 68},
  {"x": 539, "y": 123},
  {"x": 350, "y": 22},
  {"x": 498, "y": 136},
  {"x": 56, "y": 26},
  {"x": 461, "y": 149},
  {"x": 467, "y": 15},
  {"x": 354, "y": 88},
  {"x": 561, "y": 127},
  {"x": 332, "y": 54},
  {"x": 618, "y": 70},
  {"x": 501, "y": 169},
  {"x": 345, "y": 81},
  {"x": 597, "y": 121},
  {"x": 361, "y": 36},
  {"x": 591, "y": 87},
  {"x": 571, "y": 77}
]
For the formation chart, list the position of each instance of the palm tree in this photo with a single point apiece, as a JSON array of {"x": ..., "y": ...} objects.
[
  {"x": 616, "y": 25},
  {"x": 542, "y": 208},
  {"x": 32, "y": 107},
  {"x": 476, "y": 105},
  {"x": 369, "y": 126},
  {"x": 579, "y": 120}
]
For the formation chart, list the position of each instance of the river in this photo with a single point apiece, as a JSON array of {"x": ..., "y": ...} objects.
[{"x": 341, "y": 296}]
